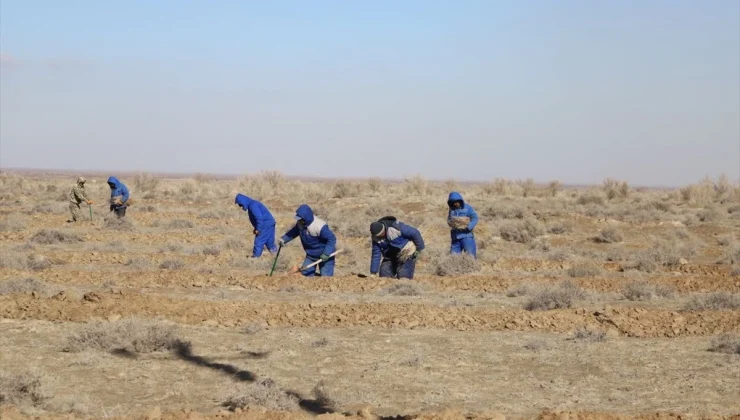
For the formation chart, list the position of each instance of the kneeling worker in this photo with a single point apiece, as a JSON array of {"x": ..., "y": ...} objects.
[
  {"x": 396, "y": 247},
  {"x": 317, "y": 239}
]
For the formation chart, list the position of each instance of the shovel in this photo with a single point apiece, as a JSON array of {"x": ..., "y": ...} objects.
[
  {"x": 274, "y": 263},
  {"x": 296, "y": 269},
  {"x": 90, "y": 207}
]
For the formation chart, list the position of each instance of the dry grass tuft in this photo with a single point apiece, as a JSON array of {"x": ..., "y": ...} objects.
[
  {"x": 322, "y": 342},
  {"x": 120, "y": 224},
  {"x": 522, "y": 232},
  {"x": 138, "y": 263},
  {"x": 457, "y": 265},
  {"x": 12, "y": 224},
  {"x": 262, "y": 393},
  {"x": 404, "y": 288},
  {"x": 172, "y": 264},
  {"x": 323, "y": 396},
  {"x": 714, "y": 302},
  {"x": 589, "y": 335},
  {"x": 180, "y": 224},
  {"x": 51, "y": 237},
  {"x": 560, "y": 229},
  {"x": 642, "y": 290},
  {"x": 24, "y": 389},
  {"x": 731, "y": 255},
  {"x": 214, "y": 250},
  {"x": 145, "y": 182},
  {"x": 13, "y": 261},
  {"x": 584, "y": 269},
  {"x": 609, "y": 236},
  {"x": 28, "y": 285},
  {"x": 725, "y": 343},
  {"x": 537, "y": 344},
  {"x": 558, "y": 297},
  {"x": 131, "y": 335}
]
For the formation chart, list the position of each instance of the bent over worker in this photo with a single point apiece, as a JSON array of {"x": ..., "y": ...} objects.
[
  {"x": 119, "y": 196},
  {"x": 317, "y": 239},
  {"x": 462, "y": 219},
  {"x": 395, "y": 248},
  {"x": 76, "y": 196},
  {"x": 262, "y": 222}
]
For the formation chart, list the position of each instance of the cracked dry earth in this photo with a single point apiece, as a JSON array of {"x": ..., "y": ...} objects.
[{"x": 456, "y": 347}]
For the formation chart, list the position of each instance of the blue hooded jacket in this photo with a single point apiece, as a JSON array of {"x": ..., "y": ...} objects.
[
  {"x": 118, "y": 190},
  {"x": 259, "y": 215},
  {"x": 316, "y": 236},
  {"x": 397, "y": 236},
  {"x": 466, "y": 210}
]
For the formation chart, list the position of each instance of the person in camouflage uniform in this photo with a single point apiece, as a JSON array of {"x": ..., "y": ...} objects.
[{"x": 76, "y": 196}]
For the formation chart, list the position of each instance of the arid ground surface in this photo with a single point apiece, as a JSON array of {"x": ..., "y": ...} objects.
[{"x": 584, "y": 303}]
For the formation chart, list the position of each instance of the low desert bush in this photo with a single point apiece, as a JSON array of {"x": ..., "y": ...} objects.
[
  {"x": 560, "y": 228},
  {"x": 13, "y": 260},
  {"x": 138, "y": 263},
  {"x": 731, "y": 255},
  {"x": 51, "y": 236},
  {"x": 120, "y": 224},
  {"x": 145, "y": 182},
  {"x": 131, "y": 335},
  {"x": 521, "y": 231},
  {"x": 457, "y": 265},
  {"x": 23, "y": 389},
  {"x": 322, "y": 342},
  {"x": 171, "y": 264},
  {"x": 403, "y": 288},
  {"x": 263, "y": 393},
  {"x": 714, "y": 302},
  {"x": 234, "y": 243},
  {"x": 725, "y": 343},
  {"x": 615, "y": 189},
  {"x": 584, "y": 269},
  {"x": 642, "y": 290},
  {"x": 27, "y": 285},
  {"x": 38, "y": 262},
  {"x": 590, "y": 198},
  {"x": 504, "y": 211},
  {"x": 589, "y": 335},
  {"x": 537, "y": 344},
  {"x": 558, "y": 297},
  {"x": 661, "y": 254},
  {"x": 180, "y": 224},
  {"x": 12, "y": 224},
  {"x": 609, "y": 236},
  {"x": 214, "y": 250}
]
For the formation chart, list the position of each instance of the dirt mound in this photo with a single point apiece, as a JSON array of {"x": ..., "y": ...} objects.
[{"x": 632, "y": 322}]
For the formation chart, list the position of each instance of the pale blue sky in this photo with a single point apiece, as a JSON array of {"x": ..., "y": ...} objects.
[{"x": 645, "y": 91}]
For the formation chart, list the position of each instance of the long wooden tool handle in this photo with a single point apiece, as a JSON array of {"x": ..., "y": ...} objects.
[{"x": 319, "y": 261}]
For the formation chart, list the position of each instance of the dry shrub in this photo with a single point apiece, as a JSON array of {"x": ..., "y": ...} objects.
[
  {"x": 711, "y": 215},
  {"x": 661, "y": 254},
  {"x": 12, "y": 224},
  {"x": 735, "y": 271},
  {"x": 609, "y": 236},
  {"x": 540, "y": 245},
  {"x": 726, "y": 240},
  {"x": 353, "y": 228},
  {"x": 344, "y": 189},
  {"x": 323, "y": 396},
  {"x": 504, "y": 211},
  {"x": 527, "y": 186},
  {"x": 180, "y": 224},
  {"x": 584, "y": 269},
  {"x": 145, "y": 182},
  {"x": 416, "y": 185},
  {"x": 589, "y": 335},
  {"x": 51, "y": 236},
  {"x": 214, "y": 250},
  {"x": 641, "y": 290},
  {"x": 519, "y": 290},
  {"x": 558, "y": 297},
  {"x": 261, "y": 393},
  {"x": 402, "y": 289},
  {"x": 731, "y": 255},
  {"x": 322, "y": 342},
  {"x": 13, "y": 261},
  {"x": 43, "y": 209},
  {"x": 714, "y": 302},
  {"x": 590, "y": 197},
  {"x": 725, "y": 343},
  {"x": 374, "y": 184},
  {"x": 189, "y": 188},
  {"x": 560, "y": 228},
  {"x": 521, "y": 231},
  {"x": 27, "y": 285},
  {"x": 171, "y": 264},
  {"x": 457, "y": 265},
  {"x": 138, "y": 263},
  {"x": 202, "y": 178},
  {"x": 234, "y": 243},
  {"x": 553, "y": 187},
  {"x": 38, "y": 262},
  {"x": 459, "y": 222},
  {"x": 537, "y": 344},
  {"x": 211, "y": 215},
  {"x": 171, "y": 247},
  {"x": 28, "y": 388},
  {"x": 120, "y": 224},
  {"x": 131, "y": 335},
  {"x": 614, "y": 189}
]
